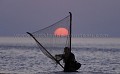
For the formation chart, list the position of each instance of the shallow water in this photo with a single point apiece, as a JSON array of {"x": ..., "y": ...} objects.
[
  {"x": 33, "y": 61},
  {"x": 29, "y": 59}
]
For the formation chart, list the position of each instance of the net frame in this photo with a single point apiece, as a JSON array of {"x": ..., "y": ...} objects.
[{"x": 44, "y": 50}]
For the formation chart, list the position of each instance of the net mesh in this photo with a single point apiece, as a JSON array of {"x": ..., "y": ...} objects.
[{"x": 54, "y": 37}]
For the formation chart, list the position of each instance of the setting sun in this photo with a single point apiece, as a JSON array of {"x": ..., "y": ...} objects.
[{"x": 61, "y": 32}]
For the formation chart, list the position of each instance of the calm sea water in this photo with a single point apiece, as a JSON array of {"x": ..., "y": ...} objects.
[{"x": 20, "y": 55}]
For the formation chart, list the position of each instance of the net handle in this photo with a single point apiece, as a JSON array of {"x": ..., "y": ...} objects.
[{"x": 44, "y": 49}]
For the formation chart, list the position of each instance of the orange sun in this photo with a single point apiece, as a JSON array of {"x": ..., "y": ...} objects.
[{"x": 61, "y": 32}]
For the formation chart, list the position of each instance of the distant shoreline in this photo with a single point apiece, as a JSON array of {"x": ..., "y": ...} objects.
[{"x": 73, "y": 36}]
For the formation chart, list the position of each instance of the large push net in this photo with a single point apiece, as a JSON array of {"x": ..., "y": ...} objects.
[{"x": 54, "y": 38}]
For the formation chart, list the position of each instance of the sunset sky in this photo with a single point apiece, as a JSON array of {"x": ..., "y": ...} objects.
[{"x": 89, "y": 16}]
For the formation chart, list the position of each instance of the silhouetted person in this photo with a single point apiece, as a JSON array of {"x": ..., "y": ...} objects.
[{"x": 71, "y": 65}]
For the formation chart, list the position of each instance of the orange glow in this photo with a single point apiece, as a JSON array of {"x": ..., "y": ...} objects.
[{"x": 61, "y": 32}]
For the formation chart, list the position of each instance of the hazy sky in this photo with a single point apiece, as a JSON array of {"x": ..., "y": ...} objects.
[{"x": 89, "y": 16}]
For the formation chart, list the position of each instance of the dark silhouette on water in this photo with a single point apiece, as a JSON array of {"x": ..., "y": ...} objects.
[
  {"x": 71, "y": 65},
  {"x": 46, "y": 42}
]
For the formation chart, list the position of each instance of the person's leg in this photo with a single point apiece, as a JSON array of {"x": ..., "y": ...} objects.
[
  {"x": 67, "y": 68},
  {"x": 78, "y": 65},
  {"x": 73, "y": 68}
]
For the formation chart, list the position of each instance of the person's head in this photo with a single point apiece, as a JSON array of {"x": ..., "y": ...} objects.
[{"x": 67, "y": 50}]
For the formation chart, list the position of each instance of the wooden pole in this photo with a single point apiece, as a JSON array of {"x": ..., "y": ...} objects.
[
  {"x": 44, "y": 49},
  {"x": 70, "y": 29}
]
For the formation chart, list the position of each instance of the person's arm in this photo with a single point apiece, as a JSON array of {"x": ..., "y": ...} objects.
[
  {"x": 73, "y": 57},
  {"x": 59, "y": 57}
]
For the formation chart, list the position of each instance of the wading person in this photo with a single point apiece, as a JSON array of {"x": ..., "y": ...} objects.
[{"x": 71, "y": 65}]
